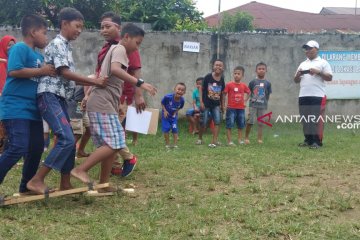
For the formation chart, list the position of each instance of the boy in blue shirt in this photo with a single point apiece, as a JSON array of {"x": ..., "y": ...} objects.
[
  {"x": 171, "y": 104},
  {"x": 18, "y": 108}
]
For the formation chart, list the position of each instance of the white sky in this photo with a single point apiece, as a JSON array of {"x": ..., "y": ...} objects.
[{"x": 210, "y": 7}]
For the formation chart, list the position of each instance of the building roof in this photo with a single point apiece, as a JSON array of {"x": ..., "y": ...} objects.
[
  {"x": 339, "y": 10},
  {"x": 271, "y": 17}
]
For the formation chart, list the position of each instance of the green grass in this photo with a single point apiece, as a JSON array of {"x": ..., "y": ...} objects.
[{"x": 270, "y": 191}]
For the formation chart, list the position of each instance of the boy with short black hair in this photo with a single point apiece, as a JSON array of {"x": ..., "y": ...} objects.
[
  {"x": 211, "y": 101},
  {"x": 260, "y": 93},
  {"x": 238, "y": 94},
  {"x": 51, "y": 99},
  {"x": 171, "y": 104},
  {"x": 103, "y": 105},
  {"x": 18, "y": 108}
]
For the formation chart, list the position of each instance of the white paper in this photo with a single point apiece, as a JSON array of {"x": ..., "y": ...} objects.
[{"x": 137, "y": 122}]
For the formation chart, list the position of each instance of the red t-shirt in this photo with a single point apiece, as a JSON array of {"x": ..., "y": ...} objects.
[
  {"x": 236, "y": 93},
  {"x": 129, "y": 90}
]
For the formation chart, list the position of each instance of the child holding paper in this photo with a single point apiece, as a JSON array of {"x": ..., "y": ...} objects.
[
  {"x": 171, "y": 104},
  {"x": 103, "y": 105}
]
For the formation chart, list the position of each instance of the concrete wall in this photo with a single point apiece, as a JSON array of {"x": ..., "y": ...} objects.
[{"x": 164, "y": 62}]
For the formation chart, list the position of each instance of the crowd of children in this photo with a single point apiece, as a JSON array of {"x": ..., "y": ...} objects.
[{"x": 41, "y": 91}]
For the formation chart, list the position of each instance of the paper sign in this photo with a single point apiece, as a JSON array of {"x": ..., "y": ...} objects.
[
  {"x": 145, "y": 122},
  {"x": 191, "y": 47}
]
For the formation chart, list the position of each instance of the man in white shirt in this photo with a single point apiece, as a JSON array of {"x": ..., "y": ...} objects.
[{"x": 312, "y": 74}]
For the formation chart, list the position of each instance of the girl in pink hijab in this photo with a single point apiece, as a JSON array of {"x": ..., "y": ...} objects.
[{"x": 5, "y": 44}]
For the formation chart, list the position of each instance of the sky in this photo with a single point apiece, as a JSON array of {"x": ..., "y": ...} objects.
[{"x": 210, "y": 7}]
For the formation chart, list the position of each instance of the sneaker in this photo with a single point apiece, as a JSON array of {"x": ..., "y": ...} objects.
[
  {"x": 314, "y": 146},
  {"x": 128, "y": 166},
  {"x": 231, "y": 144},
  {"x": 168, "y": 147},
  {"x": 218, "y": 143},
  {"x": 199, "y": 142},
  {"x": 241, "y": 142},
  {"x": 175, "y": 147},
  {"x": 211, "y": 145}
]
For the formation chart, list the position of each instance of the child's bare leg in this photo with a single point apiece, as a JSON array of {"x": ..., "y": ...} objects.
[
  {"x": 239, "y": 135},
  {"x": 167, "y": 140},
  {"x": 260, "y": 135},
  {"x": 101, "y": 154},
  {"x": 215, "y": 134},
  {"x": 176, "y": 137},
  {"x": 228, "y": 134},
  {"x": 106, "y": 168},
  {"x": 135, "y": 138},
  {"x": 84, "y": 140},
  {"x": 37, "y": 184},
  {"x": 247, "y": 133},
  {"x": 65, "y": 183}
]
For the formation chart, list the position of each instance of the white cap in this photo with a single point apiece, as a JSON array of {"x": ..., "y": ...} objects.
[{"x": 312, "y": 43}]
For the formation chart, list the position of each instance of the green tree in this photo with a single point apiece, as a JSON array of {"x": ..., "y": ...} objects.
[
  {"x": 241, "y": 21},
  {"x": 162, "y": 14}
]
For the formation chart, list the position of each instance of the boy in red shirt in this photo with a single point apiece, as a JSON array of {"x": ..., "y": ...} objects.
[{"x": 238, "y": 94}]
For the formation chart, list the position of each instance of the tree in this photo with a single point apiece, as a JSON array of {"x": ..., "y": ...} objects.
[
  {"x": 241, "y": 21},
  {"x": 190, "y": 25},
  {"x": 162, "y": 14}
]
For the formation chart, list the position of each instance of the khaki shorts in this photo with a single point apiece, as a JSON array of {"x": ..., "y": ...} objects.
[
  {"x": 253, "y": 115},
  {"x": 77, "y": 126}
]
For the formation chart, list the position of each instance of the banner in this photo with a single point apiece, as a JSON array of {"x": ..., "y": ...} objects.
[{"x": 346, "y": 74}]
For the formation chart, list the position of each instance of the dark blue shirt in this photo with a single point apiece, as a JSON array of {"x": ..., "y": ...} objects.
[{"x": 171, "y": 105}]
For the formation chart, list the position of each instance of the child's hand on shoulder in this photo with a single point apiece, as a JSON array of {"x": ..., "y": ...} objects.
[
  {"x": 48, "y": 70},
  {"x": 149, "y": 88}
]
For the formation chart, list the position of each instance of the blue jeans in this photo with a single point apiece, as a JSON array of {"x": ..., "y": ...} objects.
[
  {"x": 235, "y": 114},
  {"x": 53, "y": 110},
  {"x": 25, "y": 139},
  {"x": 214, "y": 113}
]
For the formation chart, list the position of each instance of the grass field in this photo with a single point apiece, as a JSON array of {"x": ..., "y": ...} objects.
[{"x": 271, "y": 191}]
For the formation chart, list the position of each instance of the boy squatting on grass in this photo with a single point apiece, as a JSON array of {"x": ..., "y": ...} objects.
[
  {"x": 237, "y": 93},
  {"x": 260, "y": 93},
  {"x": 193, "y": 114},
  {"x": 18, "y": 108},
  {"x": 52, "y": 93},
  {"x": 171, "y": 104},
  {"x": 103, "y": 105}
]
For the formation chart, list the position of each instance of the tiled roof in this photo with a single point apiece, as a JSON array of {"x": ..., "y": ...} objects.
[
  {"x": 270, "y": 17},
  {"x": 339, "y": 10}
]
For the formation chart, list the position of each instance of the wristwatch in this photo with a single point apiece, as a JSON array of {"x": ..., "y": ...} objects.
[{"x": 139, "y": 82}]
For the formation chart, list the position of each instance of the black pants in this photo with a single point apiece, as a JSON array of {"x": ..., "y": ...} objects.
[{"x": 311, "y": 108}]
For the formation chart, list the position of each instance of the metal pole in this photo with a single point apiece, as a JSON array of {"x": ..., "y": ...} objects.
[
  {"x": 218, "y": 36},
  {"x": 355, "y": 6}
]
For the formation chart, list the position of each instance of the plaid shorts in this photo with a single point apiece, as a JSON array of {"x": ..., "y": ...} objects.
[{"x": 106, "y": 130}]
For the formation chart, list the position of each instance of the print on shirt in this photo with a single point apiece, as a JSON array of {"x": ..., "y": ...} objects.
[
  {"x": 259, "y": 94},
  {"x": 214, "y": 91}
]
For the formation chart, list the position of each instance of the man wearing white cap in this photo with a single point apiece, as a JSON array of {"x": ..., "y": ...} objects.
[{"x": 312, "y": 74}]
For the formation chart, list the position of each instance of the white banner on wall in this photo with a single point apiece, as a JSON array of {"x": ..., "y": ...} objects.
[
  {"x": 191, "y": 47},
  {"x": 346, "y": 74}
]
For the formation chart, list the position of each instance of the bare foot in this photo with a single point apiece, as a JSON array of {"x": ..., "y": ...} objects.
[
  {"x": 82, "y": 154},
  {"x": 260, "y": 141},
  {"x": 37, "y": 186},
  {"x": 81, "y": 175},
  {"x": 65, "y": 187},
  {"x": 247, "y": 141}
]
